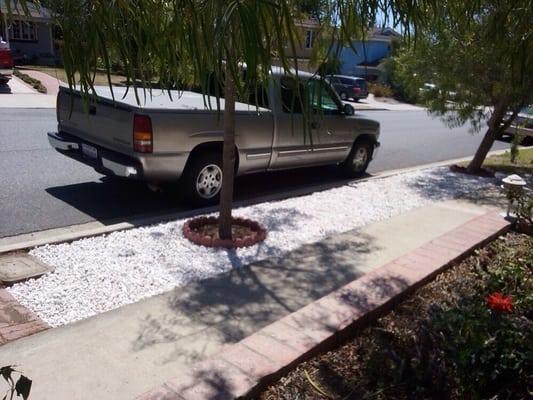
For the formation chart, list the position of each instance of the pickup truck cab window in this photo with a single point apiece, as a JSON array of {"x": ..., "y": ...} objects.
[
  {"x": 258, "y": 96},
  {"x": 321, "y": 98},
  {"x": 313, "y": 93},
  {"x": 292, "y": 95}
]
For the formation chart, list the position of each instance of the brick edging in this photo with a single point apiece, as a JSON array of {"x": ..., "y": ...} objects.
[
  {"x": 16, "y": 321},
  {"x": 245, "y": 368}
]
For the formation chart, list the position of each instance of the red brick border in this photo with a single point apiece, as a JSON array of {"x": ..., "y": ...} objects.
[
  {"x": 16, "y": 321},
  {"x": 242, "y": 369}
]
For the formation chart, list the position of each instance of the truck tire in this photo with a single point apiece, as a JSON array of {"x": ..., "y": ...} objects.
[
  {"x": 202, "y": 179},
  {"x": 357, "y": 161}
]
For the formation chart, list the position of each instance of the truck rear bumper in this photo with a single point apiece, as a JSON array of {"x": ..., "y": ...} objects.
[
  {"x": 106, "y": 162},
  {"x": 155, "y": 168}
]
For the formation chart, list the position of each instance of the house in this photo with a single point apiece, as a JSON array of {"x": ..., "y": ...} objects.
[
  {"x": 29, "y": 36},
  {"x": 368, "y": 54},
  {"x": 307, "y": 30}
]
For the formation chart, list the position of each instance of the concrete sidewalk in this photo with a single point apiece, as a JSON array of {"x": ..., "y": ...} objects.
[
  {"x": 125, "y": 352},
  {"x": 381, "y": 103},
  {"x": 51, "y": 83},
  {"x": 18, "y": 94}
]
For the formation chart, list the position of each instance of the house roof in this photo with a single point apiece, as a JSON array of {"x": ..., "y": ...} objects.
[
  {"x": 384, "y": 33},
  {"x": 41, "y": 14},
  {"x": 310, "y": 22}
]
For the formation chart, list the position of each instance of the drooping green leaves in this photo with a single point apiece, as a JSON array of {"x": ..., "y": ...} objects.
[
  {"x": 184, "y": 43},
  {"x": 21, "y": 387}
]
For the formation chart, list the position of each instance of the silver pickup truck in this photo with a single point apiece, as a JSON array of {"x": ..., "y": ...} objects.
[{"x": 179, "y": 139}]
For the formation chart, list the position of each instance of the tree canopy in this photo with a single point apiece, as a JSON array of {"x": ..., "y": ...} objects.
[{"x": 478, "y": 64}]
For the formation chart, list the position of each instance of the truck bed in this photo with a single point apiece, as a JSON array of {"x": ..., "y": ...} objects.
[{"x": 162, "y": 100}]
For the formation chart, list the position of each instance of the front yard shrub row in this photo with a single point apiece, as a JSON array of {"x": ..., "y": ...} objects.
[
  {"x": 34, "y": 83},
  {"x": 466, "y": 335},
  {"x": 380, "y": 90}
]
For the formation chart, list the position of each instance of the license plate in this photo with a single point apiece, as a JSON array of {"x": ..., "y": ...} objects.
[{"x": 89, "y": 151}]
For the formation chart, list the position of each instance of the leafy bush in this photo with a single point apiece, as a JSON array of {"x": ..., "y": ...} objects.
[
  {"x": 34, "y": 83},
  {"x": 380, "y": 90},
  {"x": 525, "y": 207}
]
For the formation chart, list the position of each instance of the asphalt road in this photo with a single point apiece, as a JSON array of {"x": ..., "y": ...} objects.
[{"x": 41, "y": 189}]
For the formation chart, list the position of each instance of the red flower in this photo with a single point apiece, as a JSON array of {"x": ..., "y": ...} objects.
[{"x": 500, "y": 303}]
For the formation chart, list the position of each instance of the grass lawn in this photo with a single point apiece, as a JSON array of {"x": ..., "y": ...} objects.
[
  {"x": 502, "y": 163},
  {"x": 59, "y": 73}
]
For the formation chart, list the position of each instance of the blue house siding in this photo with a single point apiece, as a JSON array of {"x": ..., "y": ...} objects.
[{"x": 368, "y": 52}]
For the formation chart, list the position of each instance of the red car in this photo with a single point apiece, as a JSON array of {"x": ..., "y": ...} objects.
[{"x": 6, "y": 63}]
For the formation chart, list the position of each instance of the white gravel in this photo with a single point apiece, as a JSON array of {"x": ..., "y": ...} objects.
[{"x": 99, "y": 274}]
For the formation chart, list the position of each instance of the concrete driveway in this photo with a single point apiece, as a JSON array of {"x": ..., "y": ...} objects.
[{"x": 17, "y": 94}]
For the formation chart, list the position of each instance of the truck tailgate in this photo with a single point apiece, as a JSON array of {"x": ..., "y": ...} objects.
[{"x": 103, "y": 123}]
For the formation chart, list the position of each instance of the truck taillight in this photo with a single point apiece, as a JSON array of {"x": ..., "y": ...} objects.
[{"x": 142, "y": 134}]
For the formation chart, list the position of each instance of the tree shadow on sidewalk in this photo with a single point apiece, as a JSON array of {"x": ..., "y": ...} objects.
[
  {"x": 441, "y": 184},
  {"x": 248, "y": 298}
]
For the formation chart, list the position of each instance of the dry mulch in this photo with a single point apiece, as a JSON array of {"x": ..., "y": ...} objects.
[
  {"x": 353, "y": 370},
  {"x": 237, "y": 231}
]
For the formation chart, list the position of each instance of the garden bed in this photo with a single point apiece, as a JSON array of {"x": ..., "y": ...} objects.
[{"x": 459, "y": 337}]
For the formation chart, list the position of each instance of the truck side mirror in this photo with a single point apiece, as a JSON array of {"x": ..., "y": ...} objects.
[{"x": 348, "y": 110}]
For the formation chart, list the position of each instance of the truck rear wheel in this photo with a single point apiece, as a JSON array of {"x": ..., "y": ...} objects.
[
  {"x": 357, "y": 161},
  {"x": 202, "y": 180}
]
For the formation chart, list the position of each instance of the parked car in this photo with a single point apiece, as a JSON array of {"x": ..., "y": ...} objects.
[
  {"x": 349, "y": 87},
  {"x": 6, "y": 63},
  {"x": 523, "y": 123},
  {"x": 180, "y": 141}
]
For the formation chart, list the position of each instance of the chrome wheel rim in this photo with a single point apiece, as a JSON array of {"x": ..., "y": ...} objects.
[
  {"x": 360, "y": 158},
  {"x": 209, "y": 181}
]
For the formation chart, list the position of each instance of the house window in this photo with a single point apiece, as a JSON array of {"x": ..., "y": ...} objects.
[
  {"x": 309, "y": 39},
  {"x": 23, "y": 31}
]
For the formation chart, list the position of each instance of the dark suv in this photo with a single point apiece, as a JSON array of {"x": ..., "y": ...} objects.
[
  {"x": 6, "y": 63},
  {"x": 349, "y": 87}
]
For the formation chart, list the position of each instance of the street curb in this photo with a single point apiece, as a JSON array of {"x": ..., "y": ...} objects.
[
  {"x": 74, "y": 232},
  {"x": 244, "y": 369}
]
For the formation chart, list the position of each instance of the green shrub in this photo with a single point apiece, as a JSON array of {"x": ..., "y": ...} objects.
[
  {"x": 380, "y": 90},
  {"x": 463, "y": 349},
  {"x": 34, "y": 83}
]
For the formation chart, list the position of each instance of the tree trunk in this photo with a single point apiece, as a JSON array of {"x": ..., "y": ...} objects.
[
  {"x": 493, "y": 132},
  {"x": 228, "y": 159}
]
